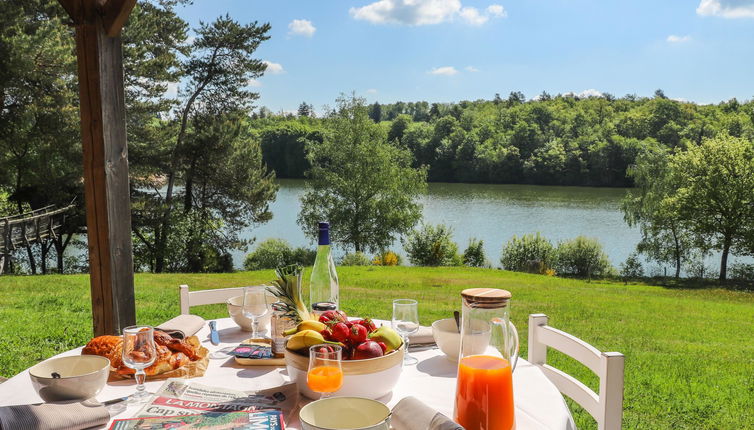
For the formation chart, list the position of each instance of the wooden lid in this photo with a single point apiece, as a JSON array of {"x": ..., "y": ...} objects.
[{"x": 485, "y": 297}]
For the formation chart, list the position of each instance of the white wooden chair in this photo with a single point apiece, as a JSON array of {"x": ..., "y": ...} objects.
[
  {"x": 205, "y": 297},
  {"x": 607, "y": 407}
]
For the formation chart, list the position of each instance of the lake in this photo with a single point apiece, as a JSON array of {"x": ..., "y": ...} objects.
[{"x": 493, "y": 213}]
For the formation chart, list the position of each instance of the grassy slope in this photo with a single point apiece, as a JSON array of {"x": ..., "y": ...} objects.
[{"x": 689, "y": 352}]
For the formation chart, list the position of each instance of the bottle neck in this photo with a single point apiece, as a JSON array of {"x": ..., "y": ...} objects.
[{"x": 324, "y": 237}]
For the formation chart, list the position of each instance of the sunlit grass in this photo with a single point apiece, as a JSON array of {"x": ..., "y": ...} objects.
[{"x": 689, "y": 351}]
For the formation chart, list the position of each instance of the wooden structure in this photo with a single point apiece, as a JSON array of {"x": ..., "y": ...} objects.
[
  {"x": 103, "y": 133},
  {"x": 27, "y": 228},
  {"x": 607, "y": 407}
]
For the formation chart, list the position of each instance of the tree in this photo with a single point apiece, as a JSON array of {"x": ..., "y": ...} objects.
[
  {"x": 432, "y": 246},
  {"x": 375, "y": 112},
  {"x": 305, "y": 110},
  {"x": 715, "y": 193},
  {"x": 364, "y": 186},
  {"x": 665, "y": 235}
]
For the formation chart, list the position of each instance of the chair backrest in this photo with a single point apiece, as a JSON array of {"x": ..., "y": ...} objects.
[
  {"x": 607, "y": 407},
  {"x": 205, "y": 297}
]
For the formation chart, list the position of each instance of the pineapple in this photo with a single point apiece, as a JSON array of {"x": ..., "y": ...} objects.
[{"x": 287, "y": 288}]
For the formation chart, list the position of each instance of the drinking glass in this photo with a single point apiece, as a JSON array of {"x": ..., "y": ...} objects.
[
  {"x": 325, "y": 375},
  {"x": 139, "y": 352},
  {"x": 255, "y": 306},
  {"x": 406, "y": 323}
]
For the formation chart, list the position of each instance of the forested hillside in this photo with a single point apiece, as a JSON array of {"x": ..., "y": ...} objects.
[{"x": 554, "y": 140}]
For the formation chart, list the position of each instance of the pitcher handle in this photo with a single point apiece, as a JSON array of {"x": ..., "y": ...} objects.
[
  {"x": 510, "y": 341},
  {"x": 515, "y": 346}
]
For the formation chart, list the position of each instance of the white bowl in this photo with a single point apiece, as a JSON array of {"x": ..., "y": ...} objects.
[
  {"x": 81, "y": 377},
  {"x": 345, "y": 413},
  {"x": 448, "y": 339},
  {"x": 235, "y": 305},
  {"x": 371, "y": 378}
]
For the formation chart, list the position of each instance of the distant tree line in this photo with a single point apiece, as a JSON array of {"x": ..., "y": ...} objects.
[{"x": 549, "y": 140}]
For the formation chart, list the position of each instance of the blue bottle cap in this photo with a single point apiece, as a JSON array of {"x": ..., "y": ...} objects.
[{"x": 324, "y": 233}]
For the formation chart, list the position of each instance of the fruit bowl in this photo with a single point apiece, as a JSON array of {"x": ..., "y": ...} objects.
[{"x": 371, "y": 378}]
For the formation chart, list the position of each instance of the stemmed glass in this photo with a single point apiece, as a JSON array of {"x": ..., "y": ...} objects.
[
  {"x": 255, "y": 306},
  {"x": 325, "y": 375},
  {"x": 139, "y": 352},
  {"x": 406, "y": 323}
]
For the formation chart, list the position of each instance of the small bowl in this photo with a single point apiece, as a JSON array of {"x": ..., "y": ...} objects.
[
  {"x": 345, "y": 413},
  {"x": 448, "y": 339},
  {"x": 235, "y": 310},
  {"x": 81, "y": 377}
]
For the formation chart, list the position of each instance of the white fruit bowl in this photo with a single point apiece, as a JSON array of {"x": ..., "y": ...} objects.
[{"x": 371, "y": 378}]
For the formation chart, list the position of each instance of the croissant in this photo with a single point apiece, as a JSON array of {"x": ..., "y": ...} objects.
[{"x": 171, "y": 353}]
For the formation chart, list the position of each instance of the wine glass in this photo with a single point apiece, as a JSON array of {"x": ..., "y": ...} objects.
[
  {"x": 325, "y": 375},
  {"x": 139, "y": 352},
  {"x": 406, "y": 323},
  {"x": 255, "y": 306}
]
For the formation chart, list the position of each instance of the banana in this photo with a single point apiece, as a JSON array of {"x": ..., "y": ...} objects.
[
  {"x": 306, "y": 338},
  {"x": 306, "y": 325},
  {"x": 390, "y": 337}
]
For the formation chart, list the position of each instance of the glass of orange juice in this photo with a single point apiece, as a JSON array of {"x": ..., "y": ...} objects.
[{"x": 325, "y": 375}]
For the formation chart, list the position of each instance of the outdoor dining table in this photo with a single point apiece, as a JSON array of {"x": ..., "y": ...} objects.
[{"x": 432, "y": 380}]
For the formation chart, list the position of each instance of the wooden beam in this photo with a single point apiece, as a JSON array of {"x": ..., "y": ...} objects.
[
  {"x": 108, "y": 209},
  {"x": 114, "y": 15}
]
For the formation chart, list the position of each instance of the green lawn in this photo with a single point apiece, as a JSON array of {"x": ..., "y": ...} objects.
[{"x": 689, "y": 352}]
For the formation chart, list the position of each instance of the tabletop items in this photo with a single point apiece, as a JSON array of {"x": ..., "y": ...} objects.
[{"x": 54, "y": 416}]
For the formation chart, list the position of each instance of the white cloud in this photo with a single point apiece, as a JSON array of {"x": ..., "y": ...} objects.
[
  {"x": 471, "y": 69},
  {"x": 591, "y": 92},
  {"x": 678, "y": 39},
  {"x": 423, "y": 12},
  {"x": 726, "y": 8},
  {"x": 254, "y": 83},
  {"x": 301, "y": 27},
  {"x": 172, "y": 90},
  {"x": 472, "y": 16},
  {"x": 445, "y": 71},
  {"x": 274, "y": 68},
  {"x": 371, "y": 91},
  {"x": 496, "y": 10}
]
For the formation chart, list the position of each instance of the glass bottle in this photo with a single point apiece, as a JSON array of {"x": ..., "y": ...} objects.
[
  {"x": 323, "y": 285},
  {"x": 489, "y": 350}
]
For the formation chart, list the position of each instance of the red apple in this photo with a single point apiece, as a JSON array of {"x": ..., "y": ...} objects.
[{"x": 368, "y": 349}]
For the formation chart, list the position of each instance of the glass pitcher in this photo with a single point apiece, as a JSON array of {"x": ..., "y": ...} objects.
[{"x": 489, "y": 351}]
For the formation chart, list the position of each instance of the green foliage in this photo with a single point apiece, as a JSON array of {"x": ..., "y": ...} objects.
[
  {"x": 582, "y": 257},
  {"x": 274, "y": 253},
  {"x": 364, "y": 186},
  {"x": 284, "y": 147},
  {"x": 631, "y": 268},
  {"x": 355, "y": 259},
  {"x": 742, "y": 271},
  {"x": 473, "y": 255},
  {"x": 432, "y": 246},
  {"x": 529, "y": 253}
]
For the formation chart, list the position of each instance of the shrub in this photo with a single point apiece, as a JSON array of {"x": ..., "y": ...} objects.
[
  {"x": 582, "y": 257},
  {"x": 432, "y": 246},
  {"x": 530, "y": 253},
  {"x": 357, "y": 258},
  {"x": 631, "y": 268},
  {"x": 387, "y": 258},
  {"x": 742, "y": 272},
  {"x": 274, "y": 253},
  {"x": 474, "y": 254}
]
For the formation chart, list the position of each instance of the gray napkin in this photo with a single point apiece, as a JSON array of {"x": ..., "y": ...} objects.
[
  {"x": 54, "y": 416},
  {"x": 423, "y": 336},
  {"x": 182, "y": 326},
  {"x": 412, "y": 414}
]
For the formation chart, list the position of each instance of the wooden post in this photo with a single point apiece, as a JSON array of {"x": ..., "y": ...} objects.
[{"x": 103, "y": 134}]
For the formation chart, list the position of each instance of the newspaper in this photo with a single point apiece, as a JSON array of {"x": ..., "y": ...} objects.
[
  {"x": 181, "y": 397},
  {"x": 260, "y": 420}
]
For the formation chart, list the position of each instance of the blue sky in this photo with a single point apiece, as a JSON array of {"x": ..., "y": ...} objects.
[{"x": 451, "y": 50}]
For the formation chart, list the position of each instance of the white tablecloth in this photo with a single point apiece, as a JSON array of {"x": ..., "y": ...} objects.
[{"x": 538, "y": 403}]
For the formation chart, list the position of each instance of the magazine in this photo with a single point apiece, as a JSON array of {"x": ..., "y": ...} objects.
[{"x": 262, "y": 420}]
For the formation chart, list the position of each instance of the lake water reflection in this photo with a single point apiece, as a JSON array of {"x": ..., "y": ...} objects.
[{"x": 493, "y": 213}]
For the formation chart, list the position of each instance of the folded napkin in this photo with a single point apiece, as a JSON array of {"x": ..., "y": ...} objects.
[
  {"x": 423, "y": 336},
  {"x": 182, "y": 326},
  {"x": 54, "y": 416},
  {"x": 411, "y": 414}
]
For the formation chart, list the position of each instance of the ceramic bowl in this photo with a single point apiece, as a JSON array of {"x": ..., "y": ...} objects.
[
  {"x": 81, "y": 377},
  {"x": 371, "y": 378},
  {"x": 448, "y": 339},
  {"x": 341, "y": 413},
  {"x": 235, "y": 305}
]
